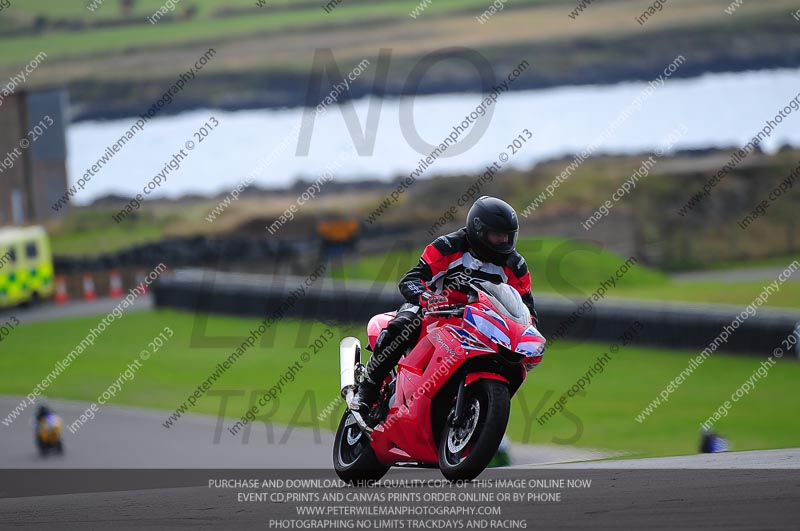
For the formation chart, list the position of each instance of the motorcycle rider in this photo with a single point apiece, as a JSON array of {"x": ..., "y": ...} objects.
[
  {"x": 484, "y": 249},
  {"x": 47, "y": 430},
  {"x": 42, "y": 412}
]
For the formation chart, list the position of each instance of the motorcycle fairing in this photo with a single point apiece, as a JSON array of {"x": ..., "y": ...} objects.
[
  {"x": 421, "y": 374},
  {"x": 376, "y": 324}
]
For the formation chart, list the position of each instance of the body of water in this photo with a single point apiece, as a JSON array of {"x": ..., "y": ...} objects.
[{"x": 715, "y": 110}]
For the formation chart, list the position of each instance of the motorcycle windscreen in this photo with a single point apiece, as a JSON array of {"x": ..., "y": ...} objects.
[{"x": 507, "y": 300}]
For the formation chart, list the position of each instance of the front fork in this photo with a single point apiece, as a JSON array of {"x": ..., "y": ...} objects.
[{"x": 457, "y": 418}]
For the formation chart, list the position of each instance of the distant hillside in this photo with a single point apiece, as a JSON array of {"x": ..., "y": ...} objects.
[
  {"x": 115, "y": 63},
  {"x": 646, "y": 223}
]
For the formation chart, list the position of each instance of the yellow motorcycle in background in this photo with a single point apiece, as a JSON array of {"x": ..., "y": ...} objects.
[{"x": 48, "y": 432}]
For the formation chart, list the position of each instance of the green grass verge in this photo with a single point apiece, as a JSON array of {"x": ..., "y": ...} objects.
[
  {"x": 777, "y": 261},
  {"x": 205, "y": 26},
  {"x": 740, "y": 293},
  {"x": 92, "y": 231},
  {"x": 602, "y": 418},
  {"x": 108, "y": 239}
]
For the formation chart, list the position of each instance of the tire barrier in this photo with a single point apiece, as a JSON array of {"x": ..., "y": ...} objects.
[
  {"x": 664, "y": 324},
  {"x": 199, "y": 250}
]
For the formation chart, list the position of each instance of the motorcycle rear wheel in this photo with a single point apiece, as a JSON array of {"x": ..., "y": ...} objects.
[
  {"x": 353, "y": 457},
  {"x": 465, "y": 451}
]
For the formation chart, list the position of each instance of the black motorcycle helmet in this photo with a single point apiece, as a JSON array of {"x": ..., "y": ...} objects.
[{"x": 492, "y": 214}]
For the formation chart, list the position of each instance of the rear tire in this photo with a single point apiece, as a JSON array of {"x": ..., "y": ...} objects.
[
  {"x": 353, "y": 457},
  {"x": 466, "y": 451},
  {"x": 41, "y": 446}
]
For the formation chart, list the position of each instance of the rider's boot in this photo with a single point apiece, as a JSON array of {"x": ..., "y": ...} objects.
[
  {"x": 385, "y": 356},
  {"x": 366, "y": 397}
]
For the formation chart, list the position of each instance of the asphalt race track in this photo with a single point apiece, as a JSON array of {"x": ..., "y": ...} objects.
[
  {"x": 127, "y": 437},
  {"x": 124, "y": 470},
  {"x": 53, "y": 312}
]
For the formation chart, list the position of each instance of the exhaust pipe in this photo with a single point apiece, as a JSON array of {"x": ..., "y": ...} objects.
[{"x": 349, "y": 357}]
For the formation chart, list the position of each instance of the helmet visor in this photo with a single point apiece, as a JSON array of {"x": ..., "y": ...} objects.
[{"x": 502, "y": 242}]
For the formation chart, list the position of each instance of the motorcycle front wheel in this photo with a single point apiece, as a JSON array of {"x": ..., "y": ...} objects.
[
  {"x": 353, "y": 458},
  {"x": 465, "y": 451}
]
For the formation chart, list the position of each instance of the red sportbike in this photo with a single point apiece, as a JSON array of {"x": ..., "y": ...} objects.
[{"x": 447, "y": 404}]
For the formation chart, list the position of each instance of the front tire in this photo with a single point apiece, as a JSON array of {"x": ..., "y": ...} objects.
[
  {"x": 465, "y": 452},
  {"x": 353, "y": 457}
]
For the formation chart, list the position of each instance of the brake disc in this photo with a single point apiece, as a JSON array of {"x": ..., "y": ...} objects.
[{"x": 459, "y": 437}]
